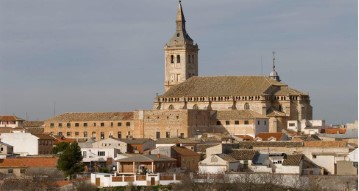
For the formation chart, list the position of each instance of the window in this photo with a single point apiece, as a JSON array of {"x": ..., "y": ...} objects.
[
  {"x": 178, "y": 59},
  {"x": 94, "y": 124},
  {"x": 119, "y": 124},
  {"x": 280, "y": 108},
  {"x": 119, "y": 135},
  {"x": 158, "y": 135},
  {"x": 68, "y": 134},
  {"x": 171, "y": 107},
  {"x": 218, "y": 122},
  {"x": 93, "y": 134},
  {"x": 128, "y": 124},
  {"x": 85, "y": 133},
  {"x": 101, "y": 153},
  {"x": 236, "y": 122},
  {"x": 189, "y": 58},
  {"x": 68, "y": 125},
  {"x": 60, "y": 124},
  {"x": 22, "y": 171},
  {"x": 258, "y": 122},
  {"x": 76, "y": 133},
  {"x": 77, "y": 124},
  {"x": 85, "y": 124},
  {"x": 265, "y": 122},
  {"x": 172, "y": 59},
  {"x": 168, "y": 134},
  {"x": 314, "y": 156},
  {"x": 102, "y": 124},
  {"x": 10, "y": 171},
  {"x": 291, "y": 124},
  {"x": 246, "y": 106},
  {"x": 182, "y": 135},
  {"x": 2, "y": 149},
  {"x": 60, "y": 133},
  {"x": 195, "y": 106},
  {"x": 102, "y": 135},
  {"x": 246, "y": 122},
  {"x": 228, "y": 122},
  {"x": 51, "y": 124},
  {"x": 111, "y": 124},
  {"x": 84, "y": 154}
]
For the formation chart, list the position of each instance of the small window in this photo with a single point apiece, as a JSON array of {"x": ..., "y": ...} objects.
[
  {"x": 168, "y": 135},
  {"x": 182, "y": 135},
  {"x": 101, "y": 153},
  {"x": 10, "y": 171},
  {"x": 119, "y": 124},
  {"x": 119, "y": 135},
  {"x": 258, "y": 122},
  {"x": 314, "y": 156},
  {"x": 218, "y": 122},
  {"x": 195, "y": 106},
  {"x": 246, "y": 106},
  {"x": 51, "y": 124},
  {"x": 111, "y": 124},
  {"x": 2, "y": 149},
  {"x": 85, "y": 133},
  {"x": 77, "y": 133},
  {"x": 178, "y": 59},
  {"x": 265, "y": 122},
  {"x": 94, "y": 124},
  {"x": 170, "y": 107},
  {"x": 228, "y": 122},
  {"x": 77, "y": 124},
  {"x": 68, "y": 134},
  {"x": 172, "y": 59},
  {"x": 246, "y": 122},
  {"x": 291, "y": 124},
  {"x": 68, "y": 125},
  {"x": 60, "y": 124},
  {"x": 158, "y": 135},
  {"x": 128, "y": 124},
  {"x": 22, "y": 171},
  {"x": 102, "y": 135},
  {"x": 60, "y": 133},
  {"x": 102, "y": 124},
  {"x": 236, "y": 122},
  {"x": 85, "y": 124}
]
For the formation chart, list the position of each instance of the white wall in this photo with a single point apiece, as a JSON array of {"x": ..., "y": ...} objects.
[
  {"x": 23, "y": 143},
  {"x": 353, "y": 156},
  {"x": 111, "y": 143},
  {"x": 92, "y": 154}
]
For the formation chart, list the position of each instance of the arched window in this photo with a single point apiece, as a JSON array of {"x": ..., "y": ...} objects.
[
  {"x": 280, "y": 108},
  {"x": 246, "y": 106},
  {"x": 178, "y": 59},
  {"x": 171, "y": 107},
  {"x": 195, "y": 106},
  {"x": 172, "y": 59}
]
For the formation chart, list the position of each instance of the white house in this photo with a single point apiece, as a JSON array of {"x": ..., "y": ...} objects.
[
  {"x": 111, "y": 143},
  {"x": 219, "y": 163},
  {"x": 23, "y": 143},
  {"x": 11, "y": 121},
  {"x": 306, "y": 126}
]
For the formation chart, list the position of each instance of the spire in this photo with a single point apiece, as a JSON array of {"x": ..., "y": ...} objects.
[
  {"x": 274, "y": 75},
  {"x": 180, "y": 20}
]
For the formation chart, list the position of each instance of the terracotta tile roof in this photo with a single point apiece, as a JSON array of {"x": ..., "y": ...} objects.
[
  {"x": 10, "y": 118},
  {"x": 6, "y": 130},
  {"x": 243, "y": 154},
  {"x": 237, "y": 114},
  {"x": 334, "y": 130},
  {"x": 202, "y": 147},
  {"x": 177, "y": 141},
  {"x": 44, "y": 136},
  {"x": 267, "y": 136},
  {"x": 227, "y": 158},
  {"x": 98, "y": 116},
  {"x": 245, "y": 137},
  {"x": 292, "y": 160},
  {"x": 184, "y": 151},
  {"x": 29, "y": 162},
  {"x": 35, "y": 130},
  {"x": 325, "y": 144},
  {"x": 252, "y": 144},
  {"x": 146, "y": 158},
  {"x": 135, "y": 140},
  {"x": 33, "y": 123},
  {"x": 61, "y": 139},
  {"x": 229, "y": 86}
]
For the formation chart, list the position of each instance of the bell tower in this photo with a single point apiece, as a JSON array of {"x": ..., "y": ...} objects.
[{"x": 181, "y": 55}]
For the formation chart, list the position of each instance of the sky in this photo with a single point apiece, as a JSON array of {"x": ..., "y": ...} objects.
[{"x": 101, "y": 56}]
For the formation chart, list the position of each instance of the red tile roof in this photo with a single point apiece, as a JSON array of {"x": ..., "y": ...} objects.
[
  {"x": 10, "y": 118},
  {"x": 334, "y": 130},
  {"x": 29, "y": 162},
  {"x": 245, "y": 137},
  {"x": 184, "y": 151},
  {"x": 325, "y": 144},
  {"x": 267, "y": 136}
]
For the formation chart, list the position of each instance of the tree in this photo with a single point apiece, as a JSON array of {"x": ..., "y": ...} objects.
[
  {"x": 70, "y": 160},
  {"x": 60, "y": 147}
]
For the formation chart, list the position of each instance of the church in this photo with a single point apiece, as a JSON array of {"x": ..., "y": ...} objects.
[
  {"x": 192, "y": 105},
  {"x": 265, "y": 96}
]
